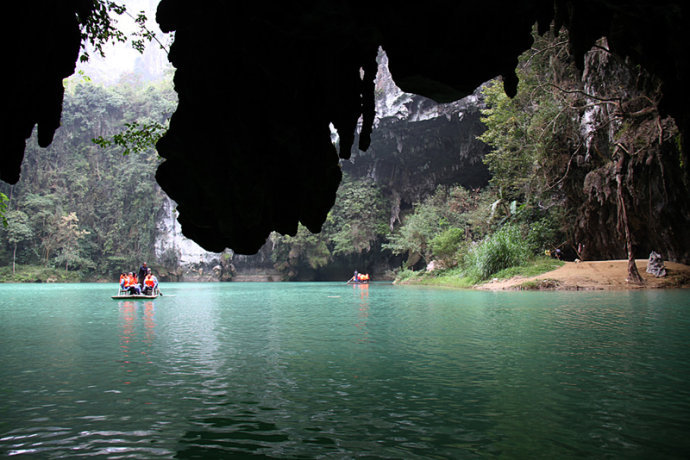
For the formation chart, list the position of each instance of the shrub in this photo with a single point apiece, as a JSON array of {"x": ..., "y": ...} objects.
[
  {"x": 446, "y": 245},
  {"x": 543, "y": 234},
  {"x": 505, "y": 248}
]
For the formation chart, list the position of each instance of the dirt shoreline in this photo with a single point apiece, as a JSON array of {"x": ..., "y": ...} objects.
[{"x": 595, "y": 275}]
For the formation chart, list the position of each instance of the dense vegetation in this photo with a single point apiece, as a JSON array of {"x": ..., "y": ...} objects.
[
  {"x": 88, "y": 209},
  {"x": 568, "y": 157}
]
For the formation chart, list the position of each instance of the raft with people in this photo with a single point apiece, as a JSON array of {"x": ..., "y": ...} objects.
[
  {"x": 359, "y": 278},
  {"x": 144, "y": 285}
]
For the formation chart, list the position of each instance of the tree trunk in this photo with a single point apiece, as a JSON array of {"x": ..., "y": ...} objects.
[
  {"x": 633, "y": 274},
  {"x": 14, "y": 257}
]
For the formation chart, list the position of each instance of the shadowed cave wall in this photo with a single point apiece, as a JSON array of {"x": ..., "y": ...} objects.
[{"x": 249, "y": 149}]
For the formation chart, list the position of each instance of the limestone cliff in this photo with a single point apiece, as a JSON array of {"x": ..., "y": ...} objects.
[
  {"x": 628, "y": 138},
  {"x": 418, "y": 144}
]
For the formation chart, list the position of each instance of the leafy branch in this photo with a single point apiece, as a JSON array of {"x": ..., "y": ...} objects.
[
  {"x": 136, "y": 138},
  {"x": 3, "y": 208},
  {"x": 100, "y": 28}
]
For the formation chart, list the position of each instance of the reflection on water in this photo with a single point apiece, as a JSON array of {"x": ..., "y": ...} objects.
[
  {"x": 363, "y": 315},
  {"x": 326, "y": 370},
  {"x": 136, "y": 350}
]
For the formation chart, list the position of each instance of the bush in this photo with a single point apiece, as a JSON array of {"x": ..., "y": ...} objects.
[
  {"x": 446, "y": 245},
  {"x": 543, "y": 234},
  {"x": 405, "y": 274},
  {"x": 503, "y": 249}
]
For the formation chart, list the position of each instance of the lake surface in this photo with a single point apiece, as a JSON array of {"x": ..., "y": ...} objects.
[{"x": 309, "y": 370}]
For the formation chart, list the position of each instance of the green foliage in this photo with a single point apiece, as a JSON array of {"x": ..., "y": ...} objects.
[
  {"x": 137, "y": 137},
  {"x": 355, "y": 226},
  {"x": 36, "y": 274},
  {"x": 358, "y": 218},
  {"x": 543, "y": 234},
  {"x": 89, "y": 208},
  {"x": 503, "y": 249},
  {"x": 99, "y": 27},
  {"x": 446, "y": 245},
  {"x": 449, "y": 216},
  {"x": 3, "y": 208},
  {"x": 532, "y": 267},
  {"x": 18, "y": 228},
  {"x": 415, "y": 235},
  {"x": 533, "y": 135}
]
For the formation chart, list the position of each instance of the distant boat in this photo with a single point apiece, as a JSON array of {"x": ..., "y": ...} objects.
[{"x": 359, "y": 280}]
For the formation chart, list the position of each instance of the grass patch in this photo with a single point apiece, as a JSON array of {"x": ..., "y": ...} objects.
[
  {"x": 531, "y": 268},
  {"x": 37, "y": 274},
  {"x": 453, "y": 277},
  {"x": 459, "y": 278}
]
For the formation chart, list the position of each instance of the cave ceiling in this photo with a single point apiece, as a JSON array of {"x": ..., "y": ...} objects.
[{"x": 249, "y": 148}]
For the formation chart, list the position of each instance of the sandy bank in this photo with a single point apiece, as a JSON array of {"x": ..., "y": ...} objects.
[{"x": 605, "y": 274}]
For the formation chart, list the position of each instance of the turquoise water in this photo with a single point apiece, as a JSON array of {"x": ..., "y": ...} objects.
[{"x": 326, "y": 370}]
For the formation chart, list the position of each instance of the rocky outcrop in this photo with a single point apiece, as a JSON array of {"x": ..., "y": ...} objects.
[
  {"x": 627, "y": 135},
  {"x": 40, "y": 45},
  {"x": 418, "y": 144},
  {"x": 655, "y": 265},
  {"x": 185, "y": 260}
]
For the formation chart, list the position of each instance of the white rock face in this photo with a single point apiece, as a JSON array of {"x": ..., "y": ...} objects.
[
  {"x": 171, "y": 242},
  {"x": 391, "y": 101}
]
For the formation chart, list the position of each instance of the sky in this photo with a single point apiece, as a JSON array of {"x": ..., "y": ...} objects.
[{"x": 121, "y": 58}]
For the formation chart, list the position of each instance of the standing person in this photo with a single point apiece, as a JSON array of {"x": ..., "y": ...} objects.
[{"x": 143, "y": 271}]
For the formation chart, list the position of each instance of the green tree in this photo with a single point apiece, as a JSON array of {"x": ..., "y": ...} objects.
[
  {"x": 68, "y": 235},
  {"x": 446, "y": 245},
  {"x": 355, "y": 226},
  {"x": 534, "y": 135},
  {"x": 115, "y": 196},
  {"x": 18, "y": 231},
  {"x": 358, "y": 219},
  {"x": 448, "y": 217}
]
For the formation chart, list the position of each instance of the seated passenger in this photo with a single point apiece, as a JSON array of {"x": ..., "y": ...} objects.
[
  {"x": 131, "y": 284},
  {"x": 150, "y": 283}
]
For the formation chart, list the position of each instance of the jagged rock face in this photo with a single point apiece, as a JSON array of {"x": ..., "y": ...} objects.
[
  {"x": 418, "y": 144},
  {"x": 264, "y": 157},
  {"x": 249, "y": 148},
  {"x": 654, "y": 185},
  {"x": 192, "y": 262},
  {"x": 40, "y": 47}
]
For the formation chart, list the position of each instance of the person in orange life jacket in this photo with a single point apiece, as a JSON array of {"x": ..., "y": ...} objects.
[
  {"x": 150, "y": 283},
  {"x": 131, "y": 284},
  {"x": 123, "y": 277}
]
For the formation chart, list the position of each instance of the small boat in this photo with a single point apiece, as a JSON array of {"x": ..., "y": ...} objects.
[
  {"x": 124, "y": 295},
  {"x": 360, "y": 278},
  {"x": 133, "y": 296}
]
